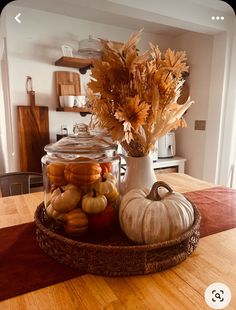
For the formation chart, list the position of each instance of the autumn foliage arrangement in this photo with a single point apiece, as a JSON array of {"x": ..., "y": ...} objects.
[{"x": 134, "y": 96}]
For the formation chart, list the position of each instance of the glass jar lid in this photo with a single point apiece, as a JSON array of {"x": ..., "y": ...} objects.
[
  {"x": 82, "y": 141},
  {"x": 90, "y": 44},
  {"x": 90, "y": 47}
]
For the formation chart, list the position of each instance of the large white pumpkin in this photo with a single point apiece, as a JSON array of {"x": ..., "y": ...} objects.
[{"x": 150, "y": 218}]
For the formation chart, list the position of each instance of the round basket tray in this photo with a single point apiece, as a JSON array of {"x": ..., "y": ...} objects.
[{"x": 113, "y": 255}]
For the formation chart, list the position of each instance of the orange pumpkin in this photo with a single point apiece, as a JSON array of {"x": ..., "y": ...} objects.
[
  {"x": 76, "y": 223},
  {"x": 81, "y": 174},
  {"x": 55, "y": 172},
  {"x": 106, "y": 167}
]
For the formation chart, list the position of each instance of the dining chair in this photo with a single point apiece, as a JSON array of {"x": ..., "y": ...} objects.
[{"x": 16, "y": 183}]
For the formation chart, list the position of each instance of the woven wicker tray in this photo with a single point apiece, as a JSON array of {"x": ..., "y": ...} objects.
[{"x": 113, "y": 255}]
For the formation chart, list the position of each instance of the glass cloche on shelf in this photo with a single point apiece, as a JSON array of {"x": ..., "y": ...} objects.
[{"x": 90, "y": 48}]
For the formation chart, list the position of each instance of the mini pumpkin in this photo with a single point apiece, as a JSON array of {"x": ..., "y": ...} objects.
[
  {"x": 110, "y": 177},
  {"x": 76, "y": 223},
  {"x": 106, "y": 186},
  {"x": 82, "y": 174},
  {"x": 52, "y": 213},
  {"x": 65, "y": 199},
  {"x": 94, "y": 202},
  {"x": 55, "y": 172},
  {"x": 106, "y": 167},
  {"x": 149, "y": 218}
]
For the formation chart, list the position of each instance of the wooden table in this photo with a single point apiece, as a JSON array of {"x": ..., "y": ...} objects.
[{"x": 181, "y": 287}]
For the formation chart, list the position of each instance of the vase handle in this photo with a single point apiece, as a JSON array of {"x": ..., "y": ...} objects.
[
  {"x": 139, "y": 173},
  {"x": 123, "y": 156},
  {"x": 121, "y": 185}
]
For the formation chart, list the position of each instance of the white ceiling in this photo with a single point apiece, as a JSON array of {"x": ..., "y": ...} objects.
[
  {"x": 219, "y": 5},
  {"x": 94, "y": 10},
  {"x": 114, "y": 12}
]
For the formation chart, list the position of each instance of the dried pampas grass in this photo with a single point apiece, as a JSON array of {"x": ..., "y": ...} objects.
[{"x": 135, "y": 96}]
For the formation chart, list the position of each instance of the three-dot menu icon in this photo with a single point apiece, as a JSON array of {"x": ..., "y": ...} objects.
[{"x": 217, "y": 18}]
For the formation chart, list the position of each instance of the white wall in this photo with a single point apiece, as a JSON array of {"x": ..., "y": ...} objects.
[
  {"x": 34, "y": 46},
  {"x": 190, "y": 143},
  {"x": 216, "y": 107},
  {"x": 3, "y": 81},
  {"x": 212, "y": 86},
  {"x": 227, "y": 159},
  {"x": 194, "y": 15},
  {"x": 2, "y": 111}
]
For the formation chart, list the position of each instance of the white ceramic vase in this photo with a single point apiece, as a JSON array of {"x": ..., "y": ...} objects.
[{"x": 139, "y": 173}]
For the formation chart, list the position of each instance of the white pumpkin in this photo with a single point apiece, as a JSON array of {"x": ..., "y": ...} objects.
[
  {"x": 106, "y": 185},
  {"x": 149, "y": 218}
]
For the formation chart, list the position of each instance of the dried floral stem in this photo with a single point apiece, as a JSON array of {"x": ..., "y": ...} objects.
[{"x": 134, "y": 96}]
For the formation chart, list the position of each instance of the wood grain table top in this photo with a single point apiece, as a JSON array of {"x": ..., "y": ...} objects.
[{"x": 181, "y": 287}]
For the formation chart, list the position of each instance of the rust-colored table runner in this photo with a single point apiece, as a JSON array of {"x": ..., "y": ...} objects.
[
  {"x": 24, "y": 267},
  {"x": 217, "y": 206}
]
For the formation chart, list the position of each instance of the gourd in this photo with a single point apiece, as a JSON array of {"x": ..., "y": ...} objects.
[
  {"x": 110, "y": 177},
  {"x": 106, "y": 167},
  {"x": 55, "y": 172},
  {"x": 149, "y": 218},
  {"x": 76, "y": 223},
  {"x": 52, "y": 213},
  {"x": 94, "y": 202},
  {"x": 81, "y": 174},
  {"x": 106, "y": 186},
  {"x": 65, "y": 199}
]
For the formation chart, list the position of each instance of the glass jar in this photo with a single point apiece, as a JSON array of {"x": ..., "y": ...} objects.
[{"x": 81, "y": 175}]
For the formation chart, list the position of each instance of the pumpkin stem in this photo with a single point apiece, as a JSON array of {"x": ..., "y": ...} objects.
[
  {"x": 154, "y": 195},
  {"x": 61, "y": 189},
  {"x": 94, "y": 192}
]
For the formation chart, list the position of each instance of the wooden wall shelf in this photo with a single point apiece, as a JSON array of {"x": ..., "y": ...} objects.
[
  {"x": 74, "y": 62},
  {"x": 82, "y": 110}
]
